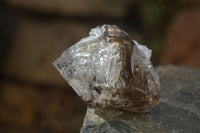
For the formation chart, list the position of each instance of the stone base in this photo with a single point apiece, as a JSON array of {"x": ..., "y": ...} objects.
[{"x": 177, "y": 112}]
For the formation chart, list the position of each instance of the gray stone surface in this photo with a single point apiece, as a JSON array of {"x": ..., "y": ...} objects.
[{"x": 177, "y": 112}]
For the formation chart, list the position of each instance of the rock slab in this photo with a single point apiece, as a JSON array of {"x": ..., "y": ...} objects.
[{"x": 177, "y": 112}]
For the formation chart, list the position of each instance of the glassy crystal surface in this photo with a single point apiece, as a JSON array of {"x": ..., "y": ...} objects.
[{"x": 109, "y": 70}]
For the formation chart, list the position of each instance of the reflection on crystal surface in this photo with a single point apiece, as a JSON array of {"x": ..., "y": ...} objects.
[{"x": 107, "y": 69}]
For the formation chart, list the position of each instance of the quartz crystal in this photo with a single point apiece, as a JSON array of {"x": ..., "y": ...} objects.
[{"x": 109, "y": 70}]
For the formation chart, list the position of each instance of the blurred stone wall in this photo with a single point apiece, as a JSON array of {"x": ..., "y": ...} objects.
[
  {"x": 183, "y": 39},
  {"x": 33, "y": 33}
]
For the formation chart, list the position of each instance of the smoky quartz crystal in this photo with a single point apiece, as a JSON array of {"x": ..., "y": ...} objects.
[{"x": 109, "y": 70}]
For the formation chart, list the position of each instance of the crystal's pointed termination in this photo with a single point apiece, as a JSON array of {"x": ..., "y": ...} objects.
[{"x": 109, "y": 70}]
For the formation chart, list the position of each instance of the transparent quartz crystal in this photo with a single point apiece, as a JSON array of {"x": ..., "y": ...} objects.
[{"x": 109, "y": 70}]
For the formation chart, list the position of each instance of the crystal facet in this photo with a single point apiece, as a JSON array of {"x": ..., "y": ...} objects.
[{"x": 109, "y": 70}]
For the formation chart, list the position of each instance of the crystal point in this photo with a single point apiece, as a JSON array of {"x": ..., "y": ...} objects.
[{"x": 109, "y": 70}]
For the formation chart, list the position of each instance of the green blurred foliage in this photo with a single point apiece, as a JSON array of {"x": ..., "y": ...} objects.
[{"x": 156, "y": 17}]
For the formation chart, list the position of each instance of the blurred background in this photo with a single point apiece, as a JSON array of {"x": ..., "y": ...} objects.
[{"x": 34, "y": 98}]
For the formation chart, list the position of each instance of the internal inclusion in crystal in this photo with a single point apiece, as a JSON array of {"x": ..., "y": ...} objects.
[{"x": 109, "y": 70}]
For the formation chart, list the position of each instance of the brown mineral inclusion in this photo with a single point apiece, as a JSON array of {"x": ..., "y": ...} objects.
[{"x": 109, "y": 70}]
